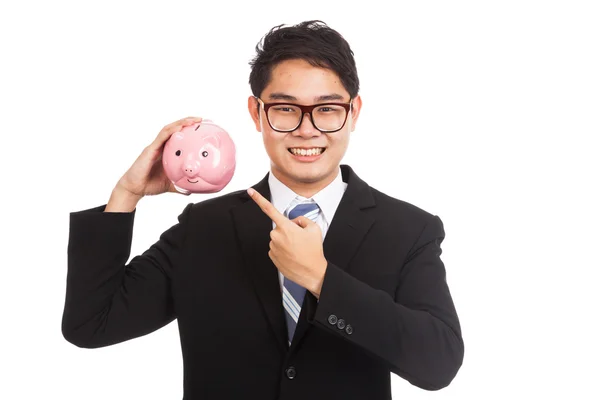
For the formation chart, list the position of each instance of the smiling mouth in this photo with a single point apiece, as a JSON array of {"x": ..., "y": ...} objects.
[
  {"x": 192, "y": 181},
  {"x": 307, "y": 155}
]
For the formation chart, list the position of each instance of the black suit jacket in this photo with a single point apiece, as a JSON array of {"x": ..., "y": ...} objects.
[{"x": 384, "y": 305}]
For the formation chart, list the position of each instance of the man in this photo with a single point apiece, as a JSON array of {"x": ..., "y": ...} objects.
[{"x": 311, "y": 284}]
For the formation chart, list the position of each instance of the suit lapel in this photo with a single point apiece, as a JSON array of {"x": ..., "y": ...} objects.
[
  {"x": 253, "y": 228},
  {"x": 346, "y": 231}
]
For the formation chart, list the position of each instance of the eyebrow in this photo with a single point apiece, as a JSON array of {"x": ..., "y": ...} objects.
[{"x": 287, "y": 97}]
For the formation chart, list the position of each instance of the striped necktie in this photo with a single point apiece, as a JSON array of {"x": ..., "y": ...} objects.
[{"x": 293, "y": 294}]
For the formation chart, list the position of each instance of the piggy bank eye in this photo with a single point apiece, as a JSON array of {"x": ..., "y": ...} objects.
[
  {"x": 205, "y": 153},
  {"x": 178, "y": 153}
]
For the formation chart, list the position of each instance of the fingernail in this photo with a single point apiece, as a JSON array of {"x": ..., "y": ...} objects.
[{"x": 250, "y": 191}]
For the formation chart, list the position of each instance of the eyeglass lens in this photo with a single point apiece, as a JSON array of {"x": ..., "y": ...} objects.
[{"x": 327, "y": 117}]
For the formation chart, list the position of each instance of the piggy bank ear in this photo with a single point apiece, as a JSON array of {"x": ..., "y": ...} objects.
[{"x": 213, "y": 139}]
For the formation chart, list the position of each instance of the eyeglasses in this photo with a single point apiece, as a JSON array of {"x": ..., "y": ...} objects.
[{"x": 287, "y": 117}]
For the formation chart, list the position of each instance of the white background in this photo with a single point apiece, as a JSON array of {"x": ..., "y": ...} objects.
[{"x": 484, "y": 113}]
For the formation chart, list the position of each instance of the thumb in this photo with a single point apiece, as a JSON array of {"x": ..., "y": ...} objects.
[{"x": 303, "y": 222}]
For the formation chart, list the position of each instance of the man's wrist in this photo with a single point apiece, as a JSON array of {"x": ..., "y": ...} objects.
[
  {"x": 121, "y": 200},
  {"x": 316, "y": 288}
]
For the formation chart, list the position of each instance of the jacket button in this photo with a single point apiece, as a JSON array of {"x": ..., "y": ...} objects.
[
  {"x": 341, "y": 324},
  {"x": 349, "y": 329},
  {"x": 333, "y": 319},
  {"x": 290, "y": 372}
]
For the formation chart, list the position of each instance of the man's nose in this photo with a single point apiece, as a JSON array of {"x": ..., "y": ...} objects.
[{"x": 307, "y": 128}]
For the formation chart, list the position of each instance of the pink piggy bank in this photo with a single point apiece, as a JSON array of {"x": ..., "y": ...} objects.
[{"x": 200, "y": 158}]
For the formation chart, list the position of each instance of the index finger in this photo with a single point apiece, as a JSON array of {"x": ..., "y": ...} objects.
[{"x": 267, "y": 207}]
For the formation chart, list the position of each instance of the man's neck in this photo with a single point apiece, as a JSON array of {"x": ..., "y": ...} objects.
[{"x": 305, "y": 189}]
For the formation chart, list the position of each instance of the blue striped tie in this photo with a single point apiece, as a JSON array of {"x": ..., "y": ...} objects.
[{"x": 293, "y": 294}]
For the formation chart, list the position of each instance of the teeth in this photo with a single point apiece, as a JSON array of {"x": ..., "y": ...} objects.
[{"x": 309, "y": 152}]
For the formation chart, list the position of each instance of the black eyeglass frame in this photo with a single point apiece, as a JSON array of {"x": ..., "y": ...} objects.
[{"x": 304, "y": 110}]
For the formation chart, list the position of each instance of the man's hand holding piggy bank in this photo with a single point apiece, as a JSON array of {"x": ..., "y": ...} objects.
[{"x": 187, "y": 156}]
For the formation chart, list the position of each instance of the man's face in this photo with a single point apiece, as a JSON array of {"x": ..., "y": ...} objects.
[{"x": 296, "y": 81}]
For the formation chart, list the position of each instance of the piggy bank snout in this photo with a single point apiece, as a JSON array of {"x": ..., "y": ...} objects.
[
  {"x": 198, "y": 160},
  {"x": 191, "y": 168}
]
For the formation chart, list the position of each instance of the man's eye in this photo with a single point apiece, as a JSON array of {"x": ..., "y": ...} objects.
[
  {"x": 284, "y": 109},
  {"x": 205, "y": 153},
  {"x": 325, "y": 109}
]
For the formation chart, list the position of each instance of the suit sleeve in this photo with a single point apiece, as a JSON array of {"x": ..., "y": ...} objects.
[
  {"x": 417, "y": 332},
  {"x": 108, "y": 301}
]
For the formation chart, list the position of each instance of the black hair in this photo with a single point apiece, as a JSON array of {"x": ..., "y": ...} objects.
[{"x": 312, "y": 41}]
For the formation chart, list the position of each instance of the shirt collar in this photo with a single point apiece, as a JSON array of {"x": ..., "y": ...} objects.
[{"x": 328, "y": 198}]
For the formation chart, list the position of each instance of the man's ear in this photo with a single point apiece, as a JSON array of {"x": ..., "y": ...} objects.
[
  {"x": 254, "y": 110},
  {"x": 356, "y": 106}
]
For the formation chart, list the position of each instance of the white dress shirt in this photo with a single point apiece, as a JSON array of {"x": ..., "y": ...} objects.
[{"x": 328, "y": 200}]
